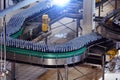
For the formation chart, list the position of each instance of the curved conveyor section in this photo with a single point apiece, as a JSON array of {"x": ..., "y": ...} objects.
[
  {"x": 68, "y": 53},
  {"x": 109, "y": 29}
]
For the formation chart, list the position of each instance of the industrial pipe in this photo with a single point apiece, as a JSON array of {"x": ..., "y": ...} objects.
[{"x": 16, "y": 7}]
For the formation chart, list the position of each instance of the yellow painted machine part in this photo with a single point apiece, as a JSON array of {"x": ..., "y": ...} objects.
[
  {"x": 112, "y": 53},
  {"x": 98, "y": 1},
  {"x": 45, "y": 27},
  {"x": 45, "y": 23}
]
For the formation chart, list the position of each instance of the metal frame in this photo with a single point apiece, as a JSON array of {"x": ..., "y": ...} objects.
[
  {"x": 49, "y": 62},
  {"x": 3, "y": 54}
]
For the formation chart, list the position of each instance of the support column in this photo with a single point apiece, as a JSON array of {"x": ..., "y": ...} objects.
[
  {"x": 1, "y": 25},
  {"x": 116, "y": 4},
  {"x": 1, "y": 4},
  {"x": 99, "y": 11},
  {"x": 77, "y": 28},
  {"x": 103, "y": 67},
  {"x": 1, "y": 8},
  {"x": 58, "y": 74},
  {"x": 66, "y": 72},
  {"x": 13, "y": 69},
  {"x": 88, "y": 13}
]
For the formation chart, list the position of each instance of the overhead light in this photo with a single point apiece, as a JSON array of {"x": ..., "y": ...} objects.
[{"x": 60, "y": 2}]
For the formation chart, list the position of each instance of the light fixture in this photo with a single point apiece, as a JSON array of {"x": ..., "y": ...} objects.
[{"x": 60, "y": 2}]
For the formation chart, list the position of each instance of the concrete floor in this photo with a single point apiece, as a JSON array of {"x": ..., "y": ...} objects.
[
  {"x": 25, "y": 72},
  {"x": 62, "y": 33},
  {"x": 87, "y": 72}
]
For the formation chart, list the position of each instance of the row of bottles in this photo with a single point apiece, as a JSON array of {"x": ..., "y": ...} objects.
[{"x": 72, "y": 45}]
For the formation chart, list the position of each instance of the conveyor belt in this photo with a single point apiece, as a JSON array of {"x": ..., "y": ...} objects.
[
  {"x": 110, "y": 30},
  {"x": 64, "y": 53}
]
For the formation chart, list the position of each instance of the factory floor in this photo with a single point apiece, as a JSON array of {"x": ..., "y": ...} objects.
[
  {"x": 79, "y": 72},
  {"x": 86, "y": 72}
]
